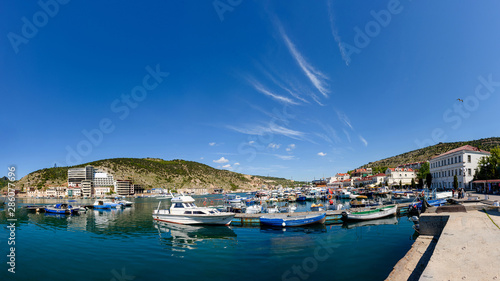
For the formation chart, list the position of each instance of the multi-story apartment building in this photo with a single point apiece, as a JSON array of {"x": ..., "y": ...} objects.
[{"x": 462, "y": 162}]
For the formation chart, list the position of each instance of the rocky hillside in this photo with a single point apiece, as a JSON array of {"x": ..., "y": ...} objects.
[
  {"x": 426, "y": 153},
  {"x": 152, "y": 172}
]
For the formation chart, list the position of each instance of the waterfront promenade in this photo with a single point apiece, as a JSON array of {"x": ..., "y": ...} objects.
[{"x": 468, "y": 247}]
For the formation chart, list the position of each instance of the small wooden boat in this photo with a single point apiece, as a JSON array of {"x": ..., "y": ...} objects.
[
  {"x": 288, "y": 220},
  {"x": 371, "y": 214}
]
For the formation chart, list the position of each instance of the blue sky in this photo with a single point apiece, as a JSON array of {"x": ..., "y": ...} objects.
[{"x": 299, "y": 90}]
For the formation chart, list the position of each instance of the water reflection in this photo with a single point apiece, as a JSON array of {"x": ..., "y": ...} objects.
[
  {"x": 179, "y": 237},
  {"x": 308, "y": 229},
  {"x": 384, "y": 221}
]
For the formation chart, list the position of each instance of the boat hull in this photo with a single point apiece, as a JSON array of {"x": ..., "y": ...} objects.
[
  {"x": 284, "y": 221},
  {"x": 370, "y": 215},
  {"x": 219, "y": 219}
]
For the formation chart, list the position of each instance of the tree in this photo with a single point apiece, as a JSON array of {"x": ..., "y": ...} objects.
[
  {"x": 412, "y": 183},
  {"x": 428, "y": 180},
  {"x": 423, "y": 171},
  {"x": 455, "y": 182},
  {"x": 489, "y": 167}
]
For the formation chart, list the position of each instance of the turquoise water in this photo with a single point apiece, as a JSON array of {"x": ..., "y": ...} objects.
[{"x": 128, "y": 245}]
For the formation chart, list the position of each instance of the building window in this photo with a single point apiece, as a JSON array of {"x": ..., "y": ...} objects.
[
  {"x": 448, "y": 161},
  {"x": 455, "y": 159},
  {"x": 468, "y": 159},
  {"x": 459, "y": 158},
  {"x": 459, "y": 172},
  {"x": 449, "y": 173},
  {"x": 469, "y": 172}
]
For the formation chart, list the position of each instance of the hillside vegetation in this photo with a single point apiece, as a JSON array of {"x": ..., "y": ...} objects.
[
  {"x": 426, "y": 153},
  {"x": 153, "y": 172}
]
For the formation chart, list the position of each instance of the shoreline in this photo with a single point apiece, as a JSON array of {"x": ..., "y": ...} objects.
[{"x": 455, "y": 245}]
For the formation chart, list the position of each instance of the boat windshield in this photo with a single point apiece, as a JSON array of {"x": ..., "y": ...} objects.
[{"x": 178, "y": 205}]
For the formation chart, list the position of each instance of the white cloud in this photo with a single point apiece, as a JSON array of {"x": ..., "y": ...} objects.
[
  {"x": 321, "y": 154},
  {"x": 285, "y": 157},
  {"x": 290, "y": 147},
  {"x": 274, "y": 146},
  {"x": 259, "y": 87},
  {"x": 347, "y": 135},
  {"x": 251, "y": 142},
  {"x": 221, "y": 160},
  {"x": 316, "y": 77},
  {"x": 344, "y": 119},
  {"x": 272, "y": 129},
  {"x": 363, "y": 140},
  {"x": 336, "y": 34},
  {"x": 227, "y": 166},
  {"x": 212, "y": 144},
  {"x": 236, "y": 164},
  {"x": 201, "y": 158}
]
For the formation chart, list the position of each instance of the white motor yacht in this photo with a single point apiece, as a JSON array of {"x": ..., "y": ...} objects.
[{"x": 184, "y": 211}]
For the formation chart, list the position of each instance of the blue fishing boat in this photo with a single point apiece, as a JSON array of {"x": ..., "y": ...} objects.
[
  {"x": 434, "y": 203},
  {"x": 61, "y": 208},
  {"x": 289, "y": 220}
]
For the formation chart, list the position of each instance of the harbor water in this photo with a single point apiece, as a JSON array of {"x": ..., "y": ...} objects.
[{"x": 127, "y": 245}]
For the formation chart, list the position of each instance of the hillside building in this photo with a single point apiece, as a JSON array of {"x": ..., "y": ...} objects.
[
  {"x": 396, "y": 175},
  {"x": 462, "y": 162}
]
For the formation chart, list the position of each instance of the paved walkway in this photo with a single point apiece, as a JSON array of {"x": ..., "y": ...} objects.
[{"x": 468, "y": 248}]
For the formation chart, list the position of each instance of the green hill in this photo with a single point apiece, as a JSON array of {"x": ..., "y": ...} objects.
[
  {"x": 426, "y": 153},
  {"x": 153, "y": 172}
]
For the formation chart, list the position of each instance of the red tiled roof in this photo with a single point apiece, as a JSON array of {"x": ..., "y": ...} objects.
[
  {"x": 379, "y": 175},
  {"x": 465, "y": 147}
]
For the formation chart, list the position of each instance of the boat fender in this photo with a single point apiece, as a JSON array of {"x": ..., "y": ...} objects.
[
  {"x": 330, "y": 196},
  {"x": 204, "y": 203},
  {"x": 283, "y": 224}
]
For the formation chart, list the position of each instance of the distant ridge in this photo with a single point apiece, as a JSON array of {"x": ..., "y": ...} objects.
[
  {"x": 426, "y": 153},
  {"x": 154, "y": 172}
]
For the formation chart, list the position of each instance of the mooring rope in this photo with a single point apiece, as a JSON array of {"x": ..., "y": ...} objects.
[{"x": 491, "y": 218}]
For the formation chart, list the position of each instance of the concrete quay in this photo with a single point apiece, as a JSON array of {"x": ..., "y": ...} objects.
[{"x": 456, "y": 243}]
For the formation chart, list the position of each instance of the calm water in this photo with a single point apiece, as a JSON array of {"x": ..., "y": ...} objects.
[{"x": 127, "y": 245}]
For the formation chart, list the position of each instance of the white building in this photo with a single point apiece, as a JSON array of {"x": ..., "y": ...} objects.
[
  {"x": 74, "y": 192},
  {"x": 461, "y": 162},
  {"x": 396, "y": 175},
  {"x": 58, "y": 191},
  {"x": 341, "y": 176},
  {"x": 101, "y": 191},
  {"x": 35, "y": 192},
  {"x": 379, "y": 179},
  {"x": 102, "y": 179}
]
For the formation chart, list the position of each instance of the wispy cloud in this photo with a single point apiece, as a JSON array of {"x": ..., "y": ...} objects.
[
  {"x": 236, "y": 164},
  {"x": 344, "y": 119},
  {"x": 285, "y": 157},
  {"x": 335, "y": 33},
  {"x": 227, "y": 166},
  {"x": 363, "y": 140},
  {"x": 212, "y": 144},
  {"x": 289, "y": 89},
  {"x": 272, "y": 129},
  {"x": 315, "y": 76},
  {"x": 290, "y": 147},
  {"x": 348, "y": 136},
  {"x": 221, "y": 160},
  {"x": 321, "y": 154},
  {"x": 259, "y": 87}
]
